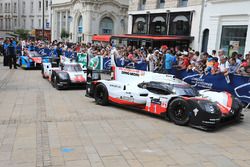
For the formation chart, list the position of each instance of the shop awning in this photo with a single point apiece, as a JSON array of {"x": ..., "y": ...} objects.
[
  {"x": 158, "y": 38},
  {"x": 101, "y": 38}
]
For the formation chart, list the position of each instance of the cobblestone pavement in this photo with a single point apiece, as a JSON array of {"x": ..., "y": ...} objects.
[{"x": 40, "y": 126}]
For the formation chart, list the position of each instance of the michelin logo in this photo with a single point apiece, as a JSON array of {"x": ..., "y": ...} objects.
[{"x": 241, "y": 92}]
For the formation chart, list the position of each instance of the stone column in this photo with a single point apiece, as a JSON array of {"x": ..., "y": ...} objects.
[
  {"x": 60, "y": 25},
  {"x": 130, "y": 24},
  {"x": 67, "y": 21},
  {"x": 54, "y": 25},
  {"x": 87, "y": 24},
  {"x": 214, "y": 36}
]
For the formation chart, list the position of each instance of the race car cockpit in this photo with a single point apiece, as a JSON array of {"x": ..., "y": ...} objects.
[{"x": 166, "y": 88}]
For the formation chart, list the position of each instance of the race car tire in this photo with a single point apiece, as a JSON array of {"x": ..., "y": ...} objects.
[
  {"x": 53, "y": 80},
  {"x": 57, "y": 84},
  {"x": 101, "y": 95},
  {"x": 179, "y": 111}
]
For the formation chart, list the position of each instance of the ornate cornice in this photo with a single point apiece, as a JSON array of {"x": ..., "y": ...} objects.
[{"x": 90, "y": 2}]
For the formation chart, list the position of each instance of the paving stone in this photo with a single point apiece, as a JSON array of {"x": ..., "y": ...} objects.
[
  {"x": 106, "y": 150},
  {"x": 114, "y": 161},
  {"x": 79, "y": 163}
]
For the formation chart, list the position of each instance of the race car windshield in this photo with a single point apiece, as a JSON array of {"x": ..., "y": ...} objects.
[
  {"x": 185, "y": 90},
  {"x": 34, "y": 54},
  {"x": 73, "y": 68}
]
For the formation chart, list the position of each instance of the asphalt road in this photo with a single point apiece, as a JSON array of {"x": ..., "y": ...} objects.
[{"x": 40, "y": 126}]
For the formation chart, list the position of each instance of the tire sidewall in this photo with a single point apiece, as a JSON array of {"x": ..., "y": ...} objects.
[
  {"x": 171, "y": 111},
  {"x": 104, "y": 101}
]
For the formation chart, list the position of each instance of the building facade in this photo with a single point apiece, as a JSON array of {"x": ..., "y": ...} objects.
[
  {"x": 24, "y": 14},
  {"x": 169, "y": 18},
  {"x": 84, "y": 18},
  {"x": 226, "y": 25}
]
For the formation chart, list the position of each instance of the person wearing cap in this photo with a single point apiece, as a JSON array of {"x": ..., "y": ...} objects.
[
  {"x": 209, "y": 65},
  {"x": 164, "y": 47},
  {"x": 244, "y": 68}
]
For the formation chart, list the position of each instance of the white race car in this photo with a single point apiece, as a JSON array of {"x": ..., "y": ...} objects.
[{"x": 164, "y": 95}]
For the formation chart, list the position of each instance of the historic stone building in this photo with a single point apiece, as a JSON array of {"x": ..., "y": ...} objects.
[
  {"x": 170, "y": 22},
  {"x": 84, "y": 18},
  {"x": 24, "y": 14}
]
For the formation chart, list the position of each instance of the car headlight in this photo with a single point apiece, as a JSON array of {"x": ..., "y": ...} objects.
[
  {"x": 63, "y": 76},
  {"x": 208, "y": 106}
]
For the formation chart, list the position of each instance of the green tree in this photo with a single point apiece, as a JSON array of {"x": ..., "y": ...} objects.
[
  {"x": 64, "y": 34},
  {"x": 22, "y": 33}
]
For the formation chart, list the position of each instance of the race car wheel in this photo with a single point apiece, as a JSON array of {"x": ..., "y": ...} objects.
[
  {"x": 57, "y": 84},
  {"x": 101, "y": 95},
  {"x": 53, "y": 81},
  {"x": 179, "y": 111}
]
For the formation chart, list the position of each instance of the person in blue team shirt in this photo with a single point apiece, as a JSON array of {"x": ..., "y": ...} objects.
[
  {"x": 14, "y": 42},
  {"x": 6, "y": 59},
  {"x": 11, "y": 53},
  {"x": 169, "y": 61},
  {"x": 31, "y": 47}
]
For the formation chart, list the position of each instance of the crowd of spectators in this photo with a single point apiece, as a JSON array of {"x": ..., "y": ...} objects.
[
  {"x": 163, "y": 59},
  {"x": 166, "y": 59}
]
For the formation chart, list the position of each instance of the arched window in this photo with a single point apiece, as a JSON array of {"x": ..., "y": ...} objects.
[
  {"x": 80, "y": 29},
  {"x": 106, "y": 26},
  {"x": 179, "y": 24},
  {"x": 140, "y": 25},
  {"x": 158, "y": 25},
  {"x": 205, "y": 40}
]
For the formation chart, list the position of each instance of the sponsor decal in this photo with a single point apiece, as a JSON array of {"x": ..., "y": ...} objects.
[
  {"x": 201, "y": 83},
  {"x": 243, "y": 91},
  {"x": 115, "y": 86},
  {"x": 78, "y": 78},
  {"x": 82, "y": 58},
  {"x": 127, "y": 98},
  {"x": 164, "y": 102},
  {"x": 195, "y": 111},
  {"x": 94, "y": 62},
  {"x": 132, "y": 72}
]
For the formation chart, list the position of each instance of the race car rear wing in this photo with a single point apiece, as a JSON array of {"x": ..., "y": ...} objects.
[{"x": 92, "y": 77}]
